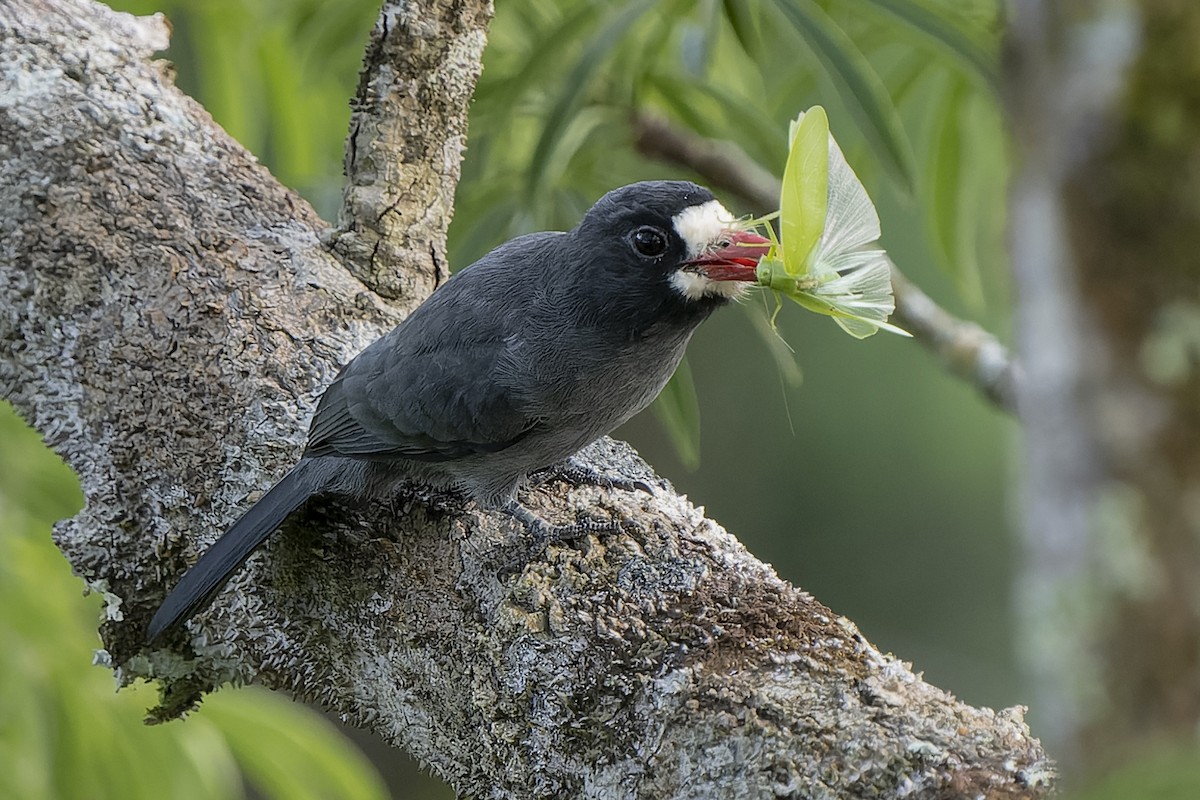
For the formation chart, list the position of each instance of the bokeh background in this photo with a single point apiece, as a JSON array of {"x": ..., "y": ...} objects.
[{"x": 860, "y": 470}]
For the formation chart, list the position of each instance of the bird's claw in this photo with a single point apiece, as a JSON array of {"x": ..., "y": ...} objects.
[
  {"x": 577, "y": 473},
  {"x": 545, "y": 534}
]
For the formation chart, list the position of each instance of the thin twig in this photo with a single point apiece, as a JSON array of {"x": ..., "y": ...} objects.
[{"x": 963, "y": 347}]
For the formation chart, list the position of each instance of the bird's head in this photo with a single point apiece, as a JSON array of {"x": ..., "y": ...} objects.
[{"x": 672, "y": 240}]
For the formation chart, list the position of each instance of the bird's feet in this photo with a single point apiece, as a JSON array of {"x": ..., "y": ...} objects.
[
  {"x": 545, "y": 534},
  {"x": 580, "y": 473}
]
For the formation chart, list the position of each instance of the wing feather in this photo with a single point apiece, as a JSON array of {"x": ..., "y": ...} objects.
[{"x": 436, "y": 388}]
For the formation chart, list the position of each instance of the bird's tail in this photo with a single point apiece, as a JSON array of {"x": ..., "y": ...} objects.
[{"x": 218, "y": 563}]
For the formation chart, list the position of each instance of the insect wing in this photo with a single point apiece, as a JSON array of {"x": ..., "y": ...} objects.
[
  {"x": 804, "y": 200},
  {"x": 855, "y": 282},
  {"x": 862, "y": 296},
  {"x": 851, "y": 219}
]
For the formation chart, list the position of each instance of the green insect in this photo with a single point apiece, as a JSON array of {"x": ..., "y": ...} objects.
[{"x": 826, "y": 258}]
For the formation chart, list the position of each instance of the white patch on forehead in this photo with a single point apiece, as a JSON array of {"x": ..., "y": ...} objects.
[{"x": 700, "y": 226}]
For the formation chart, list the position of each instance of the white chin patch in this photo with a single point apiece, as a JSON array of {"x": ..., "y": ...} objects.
[
  {"x": 700, "y": 227},
  {"x": 693, "y": 286}
]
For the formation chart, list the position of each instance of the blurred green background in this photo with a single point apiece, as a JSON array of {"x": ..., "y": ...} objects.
[{"x": 876, "y": 482}]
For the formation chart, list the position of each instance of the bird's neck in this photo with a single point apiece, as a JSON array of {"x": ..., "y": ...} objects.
[{"x": 636, "y": 316}]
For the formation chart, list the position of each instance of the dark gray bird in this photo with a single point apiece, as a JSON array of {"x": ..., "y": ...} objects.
[{"x": 541, "y": 347}]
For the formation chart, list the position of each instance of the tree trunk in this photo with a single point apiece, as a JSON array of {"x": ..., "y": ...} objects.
[
  {"x": 170, "y": 313},
  {"x": 1106, "y": 231}
]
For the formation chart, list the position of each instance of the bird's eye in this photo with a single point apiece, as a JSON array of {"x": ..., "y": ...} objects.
[{"x": 649, "y": 241}]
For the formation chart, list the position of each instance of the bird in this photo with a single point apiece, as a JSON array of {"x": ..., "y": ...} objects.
[{"x": 539, "y": 348}]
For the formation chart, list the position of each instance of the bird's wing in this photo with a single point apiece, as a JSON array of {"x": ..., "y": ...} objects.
[
  {"x": 435, "y": 407},
  {"x": 436, "y": 387}
]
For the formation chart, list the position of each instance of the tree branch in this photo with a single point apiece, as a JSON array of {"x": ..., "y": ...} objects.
[
  {"x": 408, "y": 130},
  {"x": 964, "y": 348},
  {"x": 169, "y": 316}
]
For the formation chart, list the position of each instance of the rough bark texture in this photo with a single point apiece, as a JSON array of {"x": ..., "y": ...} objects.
[
  {"x": 407, "y": 134},
  {"x": 1106, "y": 106},
  {"x": 169, "y": 314}
]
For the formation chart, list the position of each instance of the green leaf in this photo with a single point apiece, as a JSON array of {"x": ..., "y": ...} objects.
[
  {"x": 744, "y": 23},
  {"x": 575, "y": 135},
  {"x": 953, "y": 199},
  {"x": 944, "y": 33},
  {"x": 505, "y": 92},
  {"x": 64, "y": 732},
  {"x": 574, "y": 88},
  {"x": 679, "y": 411},
  {"x": 781, "y": 352},
  {"x": 654, "y": 44},
  {"x": 712, "y": 110},
  {"x": 804, "y": 202},
  {"x": 290, "y": 752},
  {"x": 905, "y": 76},
  {"x": 679, "y": 97},
  {"x": 859, "y": 87}
]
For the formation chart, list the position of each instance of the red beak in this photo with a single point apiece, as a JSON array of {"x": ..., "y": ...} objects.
[{"x": 736, "y": 259}]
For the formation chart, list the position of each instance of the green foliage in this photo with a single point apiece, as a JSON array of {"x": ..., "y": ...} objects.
[
  {"x": 286, "y": 750},
  {"x": 572, "y": 93},
  {"x": 914, "y": 78},
  {"x": 859, "y": 86},
  {"x": 960, "y": 36},
  {"x": 64, "y": 730},
  {"x": 277, "y": 75},
  {"x": 562, "y": 78},
  {"x": 952, "y": 226},
  {"x": 550, "y": 124}
]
